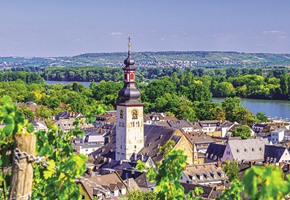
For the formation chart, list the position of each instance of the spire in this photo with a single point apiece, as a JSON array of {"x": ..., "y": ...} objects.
[
  {"x": 129, "y": 61},
  {"x": 129, "y": 93}
]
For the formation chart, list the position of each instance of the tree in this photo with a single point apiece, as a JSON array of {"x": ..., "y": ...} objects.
[
  {"x": 243, "y": 131},
  {"x": 199, "y": 92},
  {"x": 231, "y": 169},
  {"x": 259, "y": 182},
  {"x": 168, "y": 175},
  {"x": 138, "y": 195},
  {"x": 262, "y": 117}
]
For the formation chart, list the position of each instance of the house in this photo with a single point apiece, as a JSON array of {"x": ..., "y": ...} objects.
[
  {"x": 152, "y": 118},
  {"x": 109, "y": 117},
  {"x": 227, "y": 128},
  {"x": 66, "y": 124},
  {"x": 277, "y": 135},
  {"x": 205, "y": 174},
  {"x": 30, "y": 105},
  {"x": 181, "y": 124},
  {"x": 39, "y": 125},
  {"x": 276, "y": 154},
  {"x": 214, "y": 152},
  {"x": 108, "y": 186},
  {"x": 155, "y": 137},
  {"x": 209, "y": 125},
  {"x": 264, "y": 129},
  {"x": 86, "y": 148},
  {"x": 67, "y": 115},
  {"x": 249, "y": 150},
  {"x": 200, "y": 143}
]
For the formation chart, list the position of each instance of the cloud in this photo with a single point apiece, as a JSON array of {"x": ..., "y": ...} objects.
[
  {"x": 162, "y": 39},
  {"x": 116, "y": 34},
  {"x": 272, "y": 32}
]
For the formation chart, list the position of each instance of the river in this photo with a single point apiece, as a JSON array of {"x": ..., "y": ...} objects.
[{"x": 272, "y": 108}]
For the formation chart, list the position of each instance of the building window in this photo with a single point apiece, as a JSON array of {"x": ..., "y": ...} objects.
[
  {"x": 121, "y": 113},
  {"x": 134, "y": 114}
]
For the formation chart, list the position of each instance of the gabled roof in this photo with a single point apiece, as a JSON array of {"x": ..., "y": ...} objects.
[
  {"x": 109, "y": 149},
  {"x": 273, "y": 153},
  {"x": 204, "y": 173},
  {"x": 215, "y": 151},
  {"x": 198, "y": 138},
  {"x": 158, "y": 117},
  {"x": 156, "y": 136},
  {"x": 248, "y": 150},
  {"x": 177, "y": 124},
  {"x": 102, "y": 184}
]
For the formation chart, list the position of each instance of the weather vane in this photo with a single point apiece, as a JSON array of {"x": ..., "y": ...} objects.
[{"x": 129, "y": 42}]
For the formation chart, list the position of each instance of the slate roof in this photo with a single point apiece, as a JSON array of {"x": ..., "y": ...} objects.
[
  {"x": 248, "y": 150},
  {"x": 199, "y": 138},
  {"x": 109, "y": 149},
  {"x": 162, "y": 123},
  {"x": 155, "y": 136},
  {"x": 66, "y": 115},
  {"x": 102, "y": 183},
  {"x": 177, "y": 124},
  {"x": 215, "y": 151},
  {"x": 204, "y": 173},
  {"x": 273, "y": 153},
  {"x": 158, "y": 117}
]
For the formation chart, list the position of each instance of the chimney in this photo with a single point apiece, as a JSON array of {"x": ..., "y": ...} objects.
[{"x": 219, "y": 163}]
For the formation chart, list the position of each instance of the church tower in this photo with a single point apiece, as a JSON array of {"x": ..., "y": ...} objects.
[{"x": 129, "y": 126}]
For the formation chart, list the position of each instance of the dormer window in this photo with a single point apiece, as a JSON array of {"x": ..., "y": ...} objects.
[{"x": 200, "y": 176}]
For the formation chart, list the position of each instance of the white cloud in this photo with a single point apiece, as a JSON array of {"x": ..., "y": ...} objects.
[
  {"x": 272, "y": 32},
  {"x": 116, "y": 33}
]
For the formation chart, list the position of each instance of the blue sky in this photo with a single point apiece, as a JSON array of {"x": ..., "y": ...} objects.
[{"x": 71, "y": 27}]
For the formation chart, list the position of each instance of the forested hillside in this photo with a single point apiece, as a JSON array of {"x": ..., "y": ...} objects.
[{"x": 204, "y": 59}]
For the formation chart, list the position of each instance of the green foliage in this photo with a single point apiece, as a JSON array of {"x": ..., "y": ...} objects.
[
  {"x": 15, "y": 123},
  {"x": 243, "y": 131},
  {"x": 168, "y": 174},
  {"x": 233, "y": 192},
  {"x": 57, "y": 179},
  {"x": 231, "y": 169},
  {"x": 138, "y": 195},
  {"x": 259, "y": 182},
  {"x": 265, "y": 183},
  {"x": 262, "y": 117},
  {"x": 167, "y": 148}
]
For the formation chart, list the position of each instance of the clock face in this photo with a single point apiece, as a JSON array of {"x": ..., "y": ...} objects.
[
  {"x": 121, "y": 113},
  {"x": 134, "y": 114}
]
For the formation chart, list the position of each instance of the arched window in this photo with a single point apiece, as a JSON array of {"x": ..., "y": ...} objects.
[
  {"x": 121, "y": 113},
  {"x": 135, "y": 114}
]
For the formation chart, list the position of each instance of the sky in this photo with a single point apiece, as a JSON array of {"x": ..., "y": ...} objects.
[{"x": 71, "y": 27}]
